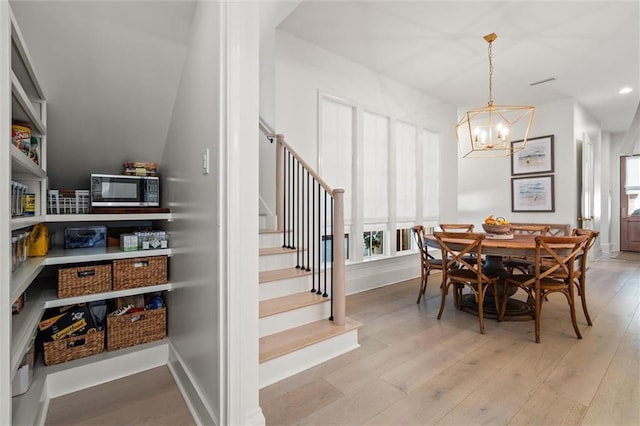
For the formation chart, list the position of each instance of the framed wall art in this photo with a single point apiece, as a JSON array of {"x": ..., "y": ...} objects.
[
  {"x": 535, "y": 158},
  {"x": 532, "y": 194}
]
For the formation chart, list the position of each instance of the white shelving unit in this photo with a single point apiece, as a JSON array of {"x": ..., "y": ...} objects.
[{"x": 28, "y": 106}]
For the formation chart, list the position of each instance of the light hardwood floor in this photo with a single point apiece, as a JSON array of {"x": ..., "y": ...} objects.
[
  {"x": 148, "y": 398},
  {"x": 412, "y": 369}
]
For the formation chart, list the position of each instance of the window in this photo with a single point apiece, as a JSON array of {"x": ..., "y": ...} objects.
[
  {"x": 406, "y": 176},
  {"x": 404, "y": 239},
  {"x": 327, "y": 244},
  {"x": 375, "y": 166},
  {"x": 373, "y": 243},
  {"x": 336, "y": 148},
  {"x": 431, "y": 175}
]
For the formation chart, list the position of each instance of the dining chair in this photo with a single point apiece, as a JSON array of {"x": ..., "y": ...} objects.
[
  {"x": 523, "y": 263},
  {"x": 553, "y": 272},
  {"x": 427, "y": 261},
  {"x": 459, "y": 227},
  {"x": 456, "y": 227},
  {"x": 456, "y": 248},
  {"x": 580, "y": 280}
]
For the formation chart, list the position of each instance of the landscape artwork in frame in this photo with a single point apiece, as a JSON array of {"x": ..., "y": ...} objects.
[
  {"x": 532, "y": 194},
  {"x": 535, "y": 157}
]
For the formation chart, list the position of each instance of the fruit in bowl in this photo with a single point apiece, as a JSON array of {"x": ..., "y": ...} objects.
[{"x": 496, "y": 225}]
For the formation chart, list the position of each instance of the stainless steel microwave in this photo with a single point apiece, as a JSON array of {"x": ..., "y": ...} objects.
[{"x": 124, "y": 191}]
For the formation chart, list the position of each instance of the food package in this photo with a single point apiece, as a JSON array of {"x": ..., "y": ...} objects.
[
  {"x": 66, "y": 321},
  {"x": 21, "y": 137}
]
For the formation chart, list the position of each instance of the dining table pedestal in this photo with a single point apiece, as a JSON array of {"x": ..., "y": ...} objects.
[{"x": 516, "y": 310}]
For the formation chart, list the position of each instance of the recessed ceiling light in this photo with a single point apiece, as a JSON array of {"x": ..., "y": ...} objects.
[{"x": 625, "y": 90}]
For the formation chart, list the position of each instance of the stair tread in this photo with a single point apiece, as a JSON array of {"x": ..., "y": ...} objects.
[
  {"x": 270, "y": 231},
  {"x": 282, "y": 274},
  {"x": 267, "y": 251},
  {"x": 288, "y": 341},
  {"x": 278, "y": 305}
]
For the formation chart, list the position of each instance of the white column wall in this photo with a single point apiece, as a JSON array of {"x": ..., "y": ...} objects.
[{"x": 213, "y": 312}]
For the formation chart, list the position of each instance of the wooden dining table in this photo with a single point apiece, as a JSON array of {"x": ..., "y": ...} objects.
[{"x": 494, "y": 251}]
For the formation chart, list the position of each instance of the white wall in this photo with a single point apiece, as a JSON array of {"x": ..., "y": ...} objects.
[
  {"x": 585, "y": 126},
  {"x": 303, "y": 70},
  {"x": 193, "y": 197},
  {"x": 271, "y": 14},
  {"x": 485, "y": 183},
  {"x": 111, "y": 70}
]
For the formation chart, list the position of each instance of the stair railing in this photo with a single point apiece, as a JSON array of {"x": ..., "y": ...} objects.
[{"x": 310, "y": 215}]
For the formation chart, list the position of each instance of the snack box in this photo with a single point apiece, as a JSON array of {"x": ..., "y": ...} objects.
[{"x": 66, "y": 321}]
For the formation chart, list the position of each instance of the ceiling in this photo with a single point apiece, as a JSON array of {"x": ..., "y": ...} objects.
[{"x": 590, "y": 48}]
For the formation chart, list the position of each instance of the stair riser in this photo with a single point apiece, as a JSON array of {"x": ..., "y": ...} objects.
[
  {"x": 277, "y": 261},
  {"x": 310, "y": 356},
  {"x": 290, "y": 319},
  {"x": 270, "y": 239},
  {"x": 286, "y": 287}
]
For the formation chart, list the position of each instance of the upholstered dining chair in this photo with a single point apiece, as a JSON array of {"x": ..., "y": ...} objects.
[
  {"x": 427, "y": 261},
  {"x": 580, "y": 280},
  {"x": 522, "y": 263},
  {"x": 456, "y": 248},
  {"x": 553, "y": 272}
]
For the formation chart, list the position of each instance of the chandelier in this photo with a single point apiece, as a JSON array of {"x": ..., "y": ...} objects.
[{"x": 486, "y": 132}]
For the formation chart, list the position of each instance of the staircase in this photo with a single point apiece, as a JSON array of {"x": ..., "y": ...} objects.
[{"x": 295, "y": 330}]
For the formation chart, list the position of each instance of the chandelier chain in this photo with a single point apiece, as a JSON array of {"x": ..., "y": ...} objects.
[{"x": 490, "y": 75}]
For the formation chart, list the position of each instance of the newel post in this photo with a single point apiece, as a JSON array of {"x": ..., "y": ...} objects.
[
  {"x": 339, "y": 292},
  {"x": 280, "y": 182}
]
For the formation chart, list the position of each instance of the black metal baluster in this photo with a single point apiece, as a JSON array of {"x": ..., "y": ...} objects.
[
  {"x": 293, "y": 202},
  {"x": 309, "y": 218},
  {"x": 325, "y": 244},
  {"x": 340, "y": 241},
  {"x": 284, "y": 197},
  {"x": 297, "y": 208},
  {"x": 302, "y": 206},
  {"x": 313, "y": 234},
  {"x": 319, "y": 291}
]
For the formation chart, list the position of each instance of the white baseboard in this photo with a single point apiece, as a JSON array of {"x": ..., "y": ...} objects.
[{"x": 200, "y": 410}]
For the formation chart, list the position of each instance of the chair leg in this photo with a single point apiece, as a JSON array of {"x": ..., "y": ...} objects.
[
  {"x": 538, "y": 310},
  {"x": 496, "y": 300},
  {"x": 443, "y": 288},
  {"x": 480, "y": 306},
  {"x": 572, "y": 307},
  {"x": 423, "y": 285},
  {"x": 583, "y": 297},
  {"x": 503, "y": 307}
]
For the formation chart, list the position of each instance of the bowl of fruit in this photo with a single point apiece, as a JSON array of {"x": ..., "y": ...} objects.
[{"x": 496, "y": 225}]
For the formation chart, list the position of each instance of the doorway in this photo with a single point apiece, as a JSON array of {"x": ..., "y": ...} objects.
[{"x": 630, "y": 203}]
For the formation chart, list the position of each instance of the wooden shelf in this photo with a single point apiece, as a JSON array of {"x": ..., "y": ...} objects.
[
  {"x": 22, "y": 166},
  {"x": 25, "y": 221},
  {"x": 27, "y": 272},
  {"x": 22, "y": 108},
  {"x": 106, "y": 217},
  {"x": 24, "y": 324}
]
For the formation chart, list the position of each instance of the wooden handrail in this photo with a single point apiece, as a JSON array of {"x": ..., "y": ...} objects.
[{"x": 304, "y": 164}]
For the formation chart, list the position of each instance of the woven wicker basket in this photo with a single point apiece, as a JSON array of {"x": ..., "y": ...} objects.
[
  {"x": 81, "y": 280},
  {"x": 136, "y": 328},
  {"x": 139, "y": 272},
  {"x": 72, "y": 348}
]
